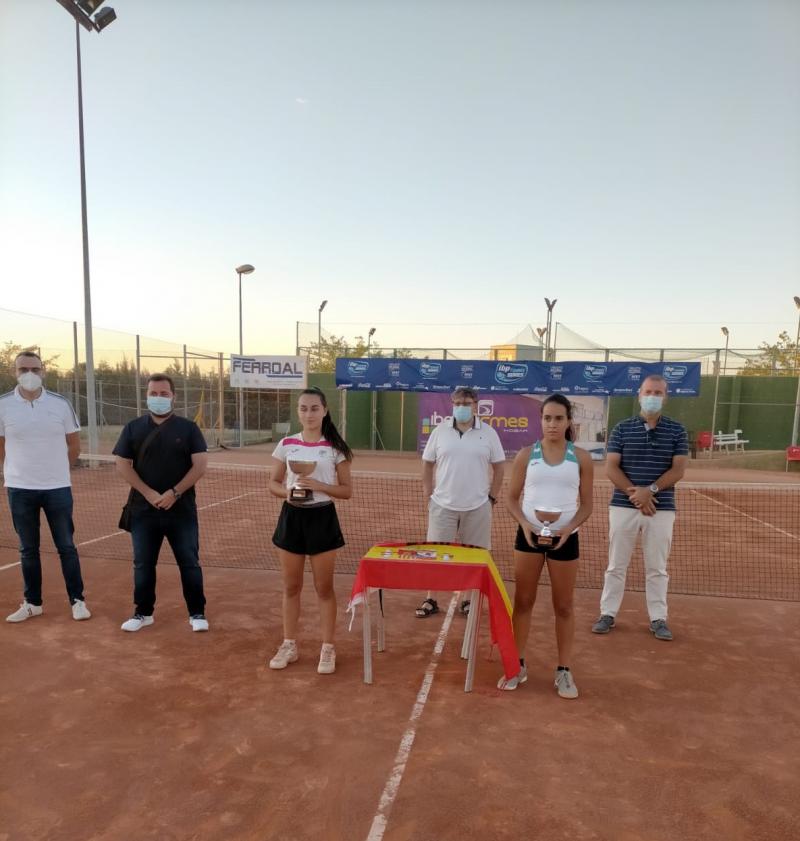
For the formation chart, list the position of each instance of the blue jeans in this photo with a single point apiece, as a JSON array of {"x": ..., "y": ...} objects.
[
  {"x": 26, "y": 506},
  {"x": 148, "y": 530}
]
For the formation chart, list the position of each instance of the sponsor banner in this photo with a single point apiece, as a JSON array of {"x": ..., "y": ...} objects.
[
  {"x": 571, "y": 378},
  {"x": 269, "y": 371},
  {"x": 516, "y": 418}
]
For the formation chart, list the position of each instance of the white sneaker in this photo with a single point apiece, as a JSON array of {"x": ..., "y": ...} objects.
[
  {"x": 80, "y": 611},
  {"x": 286, "y": 654},
  {"x": 565, "y": 684},
  {"x": 136, "y": 622},
  {"x": 509, "y": 683},
  {"x": 327, "y": 659},
  {"x": 198, "y": 622},
  {"x": 25, "y": 611}
]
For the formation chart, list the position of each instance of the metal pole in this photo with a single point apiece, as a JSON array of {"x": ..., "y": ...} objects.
[
  {"x": 76, "y": 373},
  {"x": 241, "y": 353},
  {"x": 402, "y": 416},
  {"x": 797, "y": 343},
  {"x": 185, "y": 383},
  {"x": 796, "y": 423},
  {"x": 373, "y": 419},
  {"x": 319, "y": 338},
  {"x": 91, "y": 402},
  {"x": 221, "y": 397},
  {"x": 138, "y": 376},
  {"x": 297, "y": 338},
  {"x": 343, "y": 412},
  {"x": 714, "y": 413},
  {"x": 725, "y": 362}
]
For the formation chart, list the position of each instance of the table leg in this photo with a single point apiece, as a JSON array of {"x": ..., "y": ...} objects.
[
  {"x": 476, "y": 607},
  {"x": 381, "y": 634},
  {"x": 367, "y": 626},
  {"x": 473, "y": 599}
]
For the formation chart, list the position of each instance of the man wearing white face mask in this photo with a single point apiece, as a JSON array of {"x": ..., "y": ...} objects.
[
  {"x": 466, "y": 459},
  {"x": 161, "y": 456},
  {"x": 39, "y": 441},
  {"x": 647, "y": 457}
]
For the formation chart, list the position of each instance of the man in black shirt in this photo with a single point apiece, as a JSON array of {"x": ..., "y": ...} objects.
[{"x": 161, "y": 456}]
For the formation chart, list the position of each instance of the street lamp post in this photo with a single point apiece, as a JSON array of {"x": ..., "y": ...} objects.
[
  {"x": 369, "y": 338},
  {"x": 245, "y": 268},
  {"x": 550, "y": 307},
  {"x": 726, "y": 334},
  {"x": 541, "y": 332},
  {"x": 319, "y": 332},
  {"x": 81, "y": 11}
]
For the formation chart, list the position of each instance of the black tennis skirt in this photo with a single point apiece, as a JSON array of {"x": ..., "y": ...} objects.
[{"x": 308, "y": 531}]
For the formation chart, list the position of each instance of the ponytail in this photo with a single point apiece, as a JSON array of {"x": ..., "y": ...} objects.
[{"x": 329, "y": 431}]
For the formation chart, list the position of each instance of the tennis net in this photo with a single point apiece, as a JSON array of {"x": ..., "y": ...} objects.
[{"x": 737, "y": 540}]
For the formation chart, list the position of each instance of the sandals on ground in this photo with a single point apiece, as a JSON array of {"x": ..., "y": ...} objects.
[
  {"x": 464, "y": 609},
  {"x": 427, "y": 608}
]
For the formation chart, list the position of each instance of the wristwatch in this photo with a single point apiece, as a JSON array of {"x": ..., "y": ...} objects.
[
  {"x": 177, "y": 493},
  {"x": 653, "y": 488}
]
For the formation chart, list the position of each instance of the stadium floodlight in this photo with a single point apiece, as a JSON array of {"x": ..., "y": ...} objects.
[
  {"x": 81, "y": 12},
  {"x": 550, "y": 305},
  {"x": 369, "y": 338},
  {"x": 245, "y": 268}
]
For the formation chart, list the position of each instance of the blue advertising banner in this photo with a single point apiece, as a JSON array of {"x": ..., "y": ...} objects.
[{"x": 600, "y": 378}]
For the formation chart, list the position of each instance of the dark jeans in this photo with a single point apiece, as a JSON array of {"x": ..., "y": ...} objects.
[
  {"x": 148, "y": 530},
  {"x": 26, "y": 506}
]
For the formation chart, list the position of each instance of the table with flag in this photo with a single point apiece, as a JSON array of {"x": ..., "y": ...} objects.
[{"x": 438, "y": 566}]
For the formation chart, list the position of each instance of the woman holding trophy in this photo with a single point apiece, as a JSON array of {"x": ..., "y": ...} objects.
[
  {"x": 310, "y": 469},
  {"x": 549, "y": 495}
]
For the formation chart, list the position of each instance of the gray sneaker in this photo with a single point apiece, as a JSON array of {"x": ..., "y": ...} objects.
[
  {"x": 603, "y": 625},
  {"x": 565, "y": 684},
  {"x": 660, "y": 630},
  {"x": 511, "y": 683}
]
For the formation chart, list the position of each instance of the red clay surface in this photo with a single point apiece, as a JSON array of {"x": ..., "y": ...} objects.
[{"x": 177, "y": 736}]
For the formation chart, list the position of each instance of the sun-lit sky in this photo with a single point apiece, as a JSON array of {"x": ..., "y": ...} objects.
[{"x": 431, "y": 169}]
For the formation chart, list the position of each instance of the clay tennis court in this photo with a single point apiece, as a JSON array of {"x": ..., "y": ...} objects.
[{"x": 167, "y": 734}]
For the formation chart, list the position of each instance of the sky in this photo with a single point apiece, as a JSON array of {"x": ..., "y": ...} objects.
[{"x": 434, "y": 170}]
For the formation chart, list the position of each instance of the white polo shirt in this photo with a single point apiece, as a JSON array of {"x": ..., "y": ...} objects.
[
  {"x": 462, "y": 464},
  {"x": 36, "y": 444}
]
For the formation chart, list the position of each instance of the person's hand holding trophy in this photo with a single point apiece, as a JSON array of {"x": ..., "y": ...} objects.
[
  {"x": 297, "y": 493},
  {"x": 548, "y": 516}
]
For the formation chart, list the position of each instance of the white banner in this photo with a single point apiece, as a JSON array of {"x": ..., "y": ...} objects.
[{"x": 269, "y": 371}]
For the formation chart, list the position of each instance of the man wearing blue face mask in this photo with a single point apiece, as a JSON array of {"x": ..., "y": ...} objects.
[
  {"x": 647, "y": 457},
  {"x": 465, "y": 458},
  {"x": 162, "y": 456}
]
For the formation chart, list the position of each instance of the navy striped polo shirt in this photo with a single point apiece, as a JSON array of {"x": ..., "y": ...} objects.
[{"x": 646, "y": 455}]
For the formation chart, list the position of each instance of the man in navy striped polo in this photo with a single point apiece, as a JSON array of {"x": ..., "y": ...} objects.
[{"x": 647, "y": 457}]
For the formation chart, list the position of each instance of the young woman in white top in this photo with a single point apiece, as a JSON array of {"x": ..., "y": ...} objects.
[
  {"x": 310, "y": 527},
  {"x": 551, "y": 474}
]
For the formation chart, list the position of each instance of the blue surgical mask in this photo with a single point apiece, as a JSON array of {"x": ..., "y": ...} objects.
[
  {"x": 651, "y": 403},
  {"x": 462, "y": 414},
  {"x": 159, "y": 405}
]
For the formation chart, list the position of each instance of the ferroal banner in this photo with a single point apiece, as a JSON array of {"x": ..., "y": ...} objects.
[
  {"x": 268, "y": 371},
  {"x": 573, "y": 378}
]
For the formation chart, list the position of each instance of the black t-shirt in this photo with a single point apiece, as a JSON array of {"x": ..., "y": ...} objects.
[{"x": 168, "y": 457}]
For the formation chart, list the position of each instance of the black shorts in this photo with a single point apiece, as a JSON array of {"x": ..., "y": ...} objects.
[
  {"x": 568, "y": 551},
  {"x": 308, "y": 531}
]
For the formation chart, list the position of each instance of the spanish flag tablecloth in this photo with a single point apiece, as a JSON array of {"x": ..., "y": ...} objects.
[{"x": 441, "y": 566}]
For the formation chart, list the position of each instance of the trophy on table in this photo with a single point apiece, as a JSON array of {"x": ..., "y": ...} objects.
[
  {"x": 301, "y": 468},
  {"x": 548, "y": 516}
]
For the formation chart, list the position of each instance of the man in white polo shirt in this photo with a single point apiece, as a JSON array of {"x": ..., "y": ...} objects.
[
  {"x": 462, "y": 473},
  {"x": 39, "y": 440}
]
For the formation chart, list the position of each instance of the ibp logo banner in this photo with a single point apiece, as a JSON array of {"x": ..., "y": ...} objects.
[
  {"x": 675, "y": 373},
  {"x": 430, "y": 370},
  {"x": 517, "y": 419},
  {"x": 357, "y": 368},
  {"x": 510, "y": 373},
  {"x": 269, "y": 372}
]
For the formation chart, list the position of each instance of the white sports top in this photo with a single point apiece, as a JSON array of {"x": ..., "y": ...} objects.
[
  {"x": 294, "y": 448},
  {"x": 551, "y": 486}
]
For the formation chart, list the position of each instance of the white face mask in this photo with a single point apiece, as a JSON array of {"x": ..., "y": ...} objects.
[
  {"x": 30, "y": 381},
  {"x": 651, "y": 403}
]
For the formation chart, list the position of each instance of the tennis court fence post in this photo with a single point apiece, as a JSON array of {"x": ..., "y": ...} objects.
[{"x": 714, "y": 411}]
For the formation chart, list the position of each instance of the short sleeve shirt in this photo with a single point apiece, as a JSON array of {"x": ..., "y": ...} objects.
[
  {"x": 35, "y": 437},
  {"x": 294, "y": 448},
  {"x": 646, "y": 454},
  {"x": 462, "y": 464},
  {"x": 168, "y": 457}
]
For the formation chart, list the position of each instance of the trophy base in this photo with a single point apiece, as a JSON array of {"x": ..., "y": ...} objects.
[{"x": 301, "y": 495}]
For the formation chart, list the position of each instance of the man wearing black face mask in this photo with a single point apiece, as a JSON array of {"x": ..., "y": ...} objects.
[
  {"x": 647, "y": 457},
  {"x": 39, "y": 441},
  {"x": 161, "y": 456}
]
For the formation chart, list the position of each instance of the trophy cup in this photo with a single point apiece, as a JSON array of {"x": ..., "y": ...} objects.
[
  {"x": 546, "y": 516},
  {"x": 301, "y": 468}
]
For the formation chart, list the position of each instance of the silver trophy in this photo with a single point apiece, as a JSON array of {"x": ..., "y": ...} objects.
[
  {"x": 301, "y": 468},
  {"x": 546, "y": 516}
]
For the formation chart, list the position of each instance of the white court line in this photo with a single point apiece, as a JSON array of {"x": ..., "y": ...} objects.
[
  {"x": 748, "y": 516},
  {"x": 381, "y": 818},
  {"x": 117, "y": 533}
]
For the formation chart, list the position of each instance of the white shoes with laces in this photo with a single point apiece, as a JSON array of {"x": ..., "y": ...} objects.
[{"x": 25, "y": 611}]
